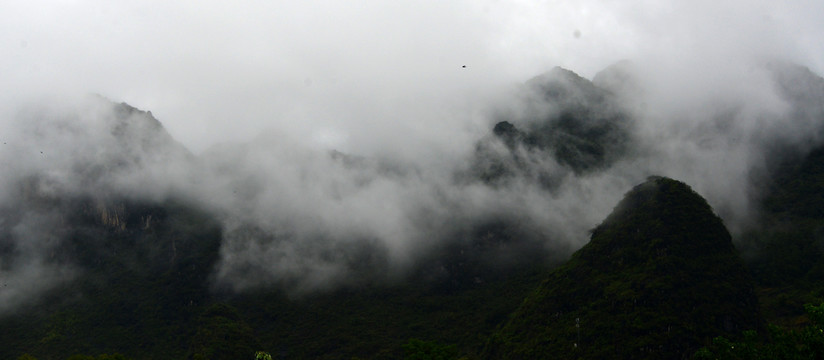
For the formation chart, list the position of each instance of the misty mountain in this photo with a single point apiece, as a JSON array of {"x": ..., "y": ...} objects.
[
  {"x": 785, "y": 250},
  {"x": 75, "y": 170},
  {"x": 115, "y": 238},
  {"x": 659, "y": 277},
  {"x": 802, "y": 88},
  {"x": 82, "y": 247},
  {"x": 567, "y": 124}
]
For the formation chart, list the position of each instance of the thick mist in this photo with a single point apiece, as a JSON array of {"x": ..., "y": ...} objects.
[
  {"x": 345, "y": 145},
  {"x": 306, "y": 218}
]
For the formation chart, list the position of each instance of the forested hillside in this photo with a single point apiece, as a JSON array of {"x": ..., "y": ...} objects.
[
  {"x": 117, "y": 242},
  {"x": 659, "y": 278}
]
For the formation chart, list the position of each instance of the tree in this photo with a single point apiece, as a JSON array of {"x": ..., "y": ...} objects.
[
  {"x": 260, "y": 355},
  {"x": 222, "y": 334},
  {"x": 807, "y": 343}
]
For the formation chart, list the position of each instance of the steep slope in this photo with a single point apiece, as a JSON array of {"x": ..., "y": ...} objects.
[
  {"x": 95, "y": 255},
  {"x": 658, "y": 278},
  {"x": 786, "y": 246}
]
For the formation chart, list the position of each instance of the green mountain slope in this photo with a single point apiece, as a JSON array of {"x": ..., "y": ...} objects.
[
  {"x": 658, "y": 279},
  {"x": 138, "y": 289}
]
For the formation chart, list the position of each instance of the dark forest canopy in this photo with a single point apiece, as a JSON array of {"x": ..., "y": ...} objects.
[{"x": 658, "y": 278}]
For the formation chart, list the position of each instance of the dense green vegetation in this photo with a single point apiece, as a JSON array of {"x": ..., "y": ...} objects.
[
  {"x": 376, "y": 322},
  {"x": 146, "y": 293},
  {"x": 806, "y": 343},
  {"x": 141, "y": 292},
  {"x": 658, "y": 277},
  {"x": 169, "y": 311},
  {"x": 785, "y": 252}
]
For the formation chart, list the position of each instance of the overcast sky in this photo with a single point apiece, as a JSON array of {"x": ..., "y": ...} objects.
[{"x": 364, "y": 75}]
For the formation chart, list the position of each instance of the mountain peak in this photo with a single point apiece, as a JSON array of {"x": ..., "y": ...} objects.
[
  {"x": 678, "y": 210},
  {"x": 658, "y": 279},
  {"x": 560, "y": 84},
  {"x": 558, "y": 71}
]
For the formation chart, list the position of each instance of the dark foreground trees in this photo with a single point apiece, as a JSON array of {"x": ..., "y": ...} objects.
[{"x": 806, "y": 343}]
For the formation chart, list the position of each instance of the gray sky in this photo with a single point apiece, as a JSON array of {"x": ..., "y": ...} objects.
[{"x": 363, "y": 76}]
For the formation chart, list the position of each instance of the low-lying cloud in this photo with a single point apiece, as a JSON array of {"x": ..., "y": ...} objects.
[
  {"x": 306, "y": 218},
  {"x": 376, "y": 130}
]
